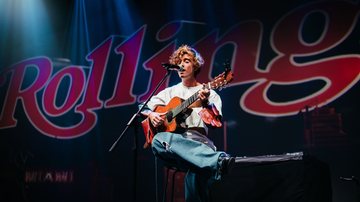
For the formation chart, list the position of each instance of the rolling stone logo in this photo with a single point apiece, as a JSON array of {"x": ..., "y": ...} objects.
[{"x": 339, "y": 72}]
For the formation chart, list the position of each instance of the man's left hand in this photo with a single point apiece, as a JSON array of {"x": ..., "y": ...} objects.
[{"x": 204, "y": 94}]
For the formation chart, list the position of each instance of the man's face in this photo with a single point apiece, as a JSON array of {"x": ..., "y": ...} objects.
[{"x": 188, "y": 66}]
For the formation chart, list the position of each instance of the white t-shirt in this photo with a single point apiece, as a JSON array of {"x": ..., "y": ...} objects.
[{"x": 181, "y": 91}]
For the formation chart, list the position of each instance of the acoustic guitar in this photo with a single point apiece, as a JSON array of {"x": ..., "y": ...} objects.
[{"x": 177, "y": 108}]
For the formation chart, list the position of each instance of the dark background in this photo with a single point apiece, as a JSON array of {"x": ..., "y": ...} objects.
[{"x": 72, "y": 29}]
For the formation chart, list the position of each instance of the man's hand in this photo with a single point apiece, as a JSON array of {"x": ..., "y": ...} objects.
[
  {"x": 156, "y": 118},
  {"x": 204, "y": 94}
]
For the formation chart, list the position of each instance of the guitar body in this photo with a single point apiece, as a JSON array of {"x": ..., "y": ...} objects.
[{"x": 169, "y": 125}]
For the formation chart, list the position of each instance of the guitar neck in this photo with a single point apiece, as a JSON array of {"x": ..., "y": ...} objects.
[
  {"x": 177, "y": 110},
  {"x": 220, "y": 81}
]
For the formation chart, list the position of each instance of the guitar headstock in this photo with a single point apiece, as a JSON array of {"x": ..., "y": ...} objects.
[{"x": 222, "y": 79}]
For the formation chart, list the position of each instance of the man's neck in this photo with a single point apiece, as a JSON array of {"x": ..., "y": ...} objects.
[{"x": 191, "y": 82}]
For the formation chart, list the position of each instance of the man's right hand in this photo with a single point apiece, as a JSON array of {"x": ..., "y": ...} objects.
[{"x": 157, "y": 119}]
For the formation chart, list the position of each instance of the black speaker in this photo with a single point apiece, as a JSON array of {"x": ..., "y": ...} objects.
[{"x": 280, "y": 178}]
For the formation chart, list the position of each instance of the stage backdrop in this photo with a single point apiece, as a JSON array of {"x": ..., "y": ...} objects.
[{"x": 73, "y": 73}]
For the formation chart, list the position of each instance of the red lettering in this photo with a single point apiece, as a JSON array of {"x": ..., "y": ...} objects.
[
  {"x": 28, "y": 95},
  {"x": 339, "y": 72},
  {"x": 292, "y": 65},
  {"x": 77, "y": 81},
  {"x": 31, "y": 107},
  {"x": 157, "y": 72},
  {"x": 153, "y": 63},
  {"x": 99, "y": 58},
  {"x": 245, "y": 38},
  {"x": 130, "y": 50}
]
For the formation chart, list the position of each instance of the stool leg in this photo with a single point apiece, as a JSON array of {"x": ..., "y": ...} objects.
[
  {"x": 173, "y": 185},
  {"x": 166, "y": 183}
]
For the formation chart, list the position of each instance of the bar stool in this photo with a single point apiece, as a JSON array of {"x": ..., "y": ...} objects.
[{"x": 177, "y": 174}]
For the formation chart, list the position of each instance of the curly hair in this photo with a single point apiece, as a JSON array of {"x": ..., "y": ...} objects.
[{"x": 176, "y": 57}]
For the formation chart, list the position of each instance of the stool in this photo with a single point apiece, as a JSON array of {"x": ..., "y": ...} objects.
[{"x": 177, "y": 178}]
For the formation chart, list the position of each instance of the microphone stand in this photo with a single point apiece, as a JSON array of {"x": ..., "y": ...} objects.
[{"x": 137, "y": 114}]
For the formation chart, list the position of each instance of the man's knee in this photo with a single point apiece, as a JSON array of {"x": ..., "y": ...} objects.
[{"x": 160, "y": 142}]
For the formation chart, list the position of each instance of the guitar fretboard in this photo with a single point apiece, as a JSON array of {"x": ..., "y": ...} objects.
[{"x": 184, "y": 104}]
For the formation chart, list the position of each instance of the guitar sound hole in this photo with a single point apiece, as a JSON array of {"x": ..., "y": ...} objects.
[{"x": 169, "y": 116}]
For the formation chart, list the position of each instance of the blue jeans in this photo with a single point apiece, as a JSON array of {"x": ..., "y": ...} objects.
[{"x": 201, "y": 161}]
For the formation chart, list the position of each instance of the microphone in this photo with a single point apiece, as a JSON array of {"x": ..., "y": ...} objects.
[{"x": 168, "y": 66}]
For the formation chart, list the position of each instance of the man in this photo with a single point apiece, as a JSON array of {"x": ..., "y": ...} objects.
[{"x": 188, "y": 146}]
